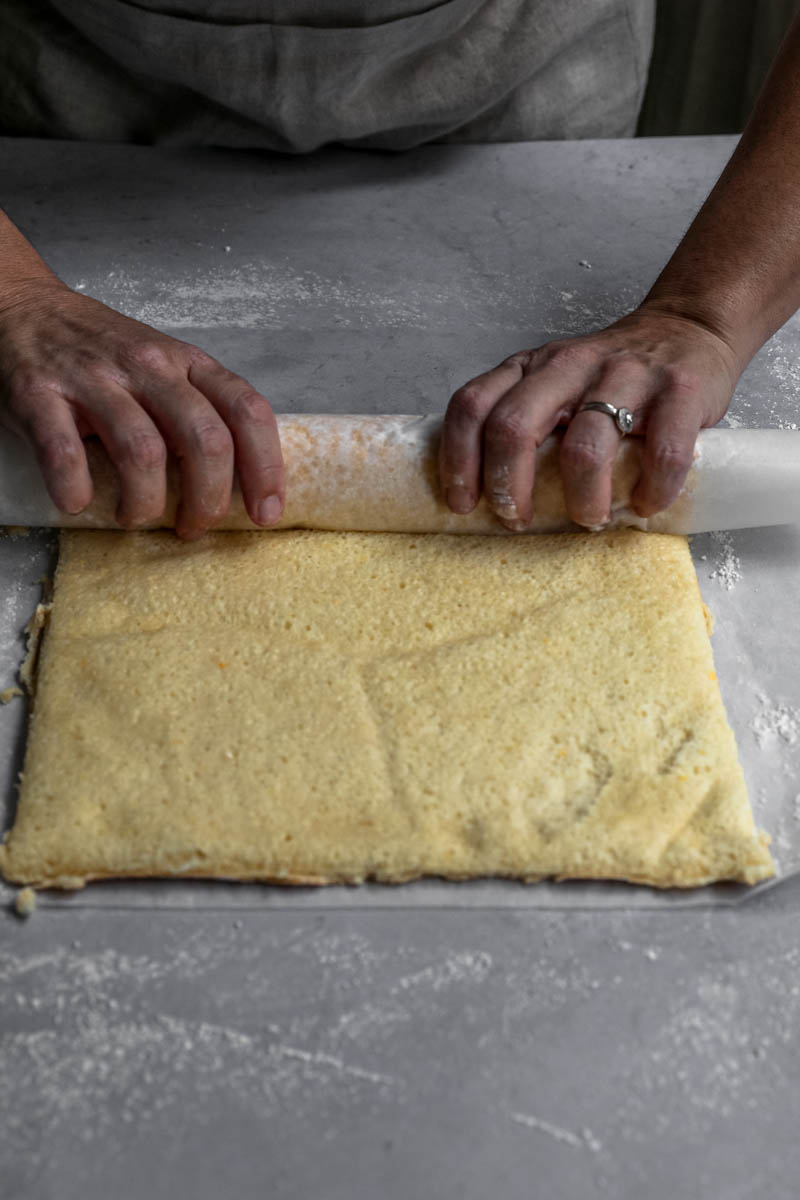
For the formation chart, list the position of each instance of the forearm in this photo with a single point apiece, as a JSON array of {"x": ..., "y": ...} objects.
[
  {"x": 20, "y": 264},
  {"x": 737, "y": 270}
]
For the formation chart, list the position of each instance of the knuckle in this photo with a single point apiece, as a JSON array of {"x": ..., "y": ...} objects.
[
  {"x": 57, "y": 453},
  {"x": 251, "y": 408},
  {"x": 143, "y": 450},
  {"x": 212, "y": 441},
  {"x": 509, "y": 429},
  {"x": 624, "y": 368},
  {"x": 197, "y": 356},
  {"x": 26, "y": 379},
  {"x": 573, "y": 355},
  {"x": 467, "y": 402},
  {"x": 581, "y": 457},
  {"x": 147, "y": 356},
  {"x": 682, "y": 380},
  {"x": 102, "y": 373},
  {"x": 522, "y": 359},
  {"x": 670, "y": 459}
]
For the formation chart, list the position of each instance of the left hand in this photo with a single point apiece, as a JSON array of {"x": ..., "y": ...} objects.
[{"x": 674, "y": 373}]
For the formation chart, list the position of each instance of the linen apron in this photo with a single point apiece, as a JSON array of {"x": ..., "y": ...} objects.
[{"x": 293, "y": 75}]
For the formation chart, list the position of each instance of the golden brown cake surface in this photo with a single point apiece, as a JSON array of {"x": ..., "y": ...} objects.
[{"x": 322, "y": 707}]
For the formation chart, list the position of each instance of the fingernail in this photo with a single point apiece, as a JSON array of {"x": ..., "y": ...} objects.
[
  {"x": 269, "y": 510},
  {"x": 503, "y": 503},
  {"x": 460, "y": 500},
  {"x": 596, "y": 528}
]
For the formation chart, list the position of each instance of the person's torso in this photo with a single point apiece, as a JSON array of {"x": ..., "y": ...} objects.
[{"x": 292, "y": 75}]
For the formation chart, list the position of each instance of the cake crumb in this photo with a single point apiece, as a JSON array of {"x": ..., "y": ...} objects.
[{"x": 25, "y": 902}]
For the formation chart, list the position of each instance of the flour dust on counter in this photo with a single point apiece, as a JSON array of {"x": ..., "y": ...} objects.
[
  {"x": 102, "y": 1054},
  {"x": 276, "y": 295}
]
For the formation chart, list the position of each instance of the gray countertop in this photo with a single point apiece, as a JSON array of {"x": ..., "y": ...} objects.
[{"x": 171, "y": 1041}]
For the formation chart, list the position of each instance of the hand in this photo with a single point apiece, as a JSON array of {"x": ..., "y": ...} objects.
[
  {"x": 673, "y": 373},
  {"x": 71, "y": 367}
]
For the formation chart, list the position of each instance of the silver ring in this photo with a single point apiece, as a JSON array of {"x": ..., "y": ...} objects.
[{"x": 623, "y": 417}]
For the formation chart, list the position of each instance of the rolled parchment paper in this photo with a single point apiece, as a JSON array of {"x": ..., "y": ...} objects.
[{"x": 380, "y": 473}]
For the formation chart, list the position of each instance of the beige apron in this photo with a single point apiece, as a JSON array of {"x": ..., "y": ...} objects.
[{"x": 292, "y": 75}]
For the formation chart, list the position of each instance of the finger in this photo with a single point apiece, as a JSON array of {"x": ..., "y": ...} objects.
[
  {"x": 516, "y": 428},
  {"x": 672, "y": 429},
  {"x": 135, "y": 447},
  {"x": 592, "y": 439},
  {"x": 202, "y": 443},
  {"x": 256, "y": 440},
  {"x": 587, "y": 456},
  {"x": 460, "y": 448},
  {"x": 43, "y": 417}
]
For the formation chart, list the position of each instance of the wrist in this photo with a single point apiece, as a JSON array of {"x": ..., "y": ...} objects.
[
  {"x": 18, "y": 292},
  {"x": 22, "y": 268},
  {"x": 735, "y": 346}
]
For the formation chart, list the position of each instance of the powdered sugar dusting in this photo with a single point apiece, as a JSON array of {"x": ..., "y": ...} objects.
[
  {"x": 783, "y": 363},
  {"x": 575, "y": 313},
  {"x": 578, "y": 1141},
  {"x": 768, "y": 394},
  {"x": 727, "y": 569},
  {"x": 81, "y": 1032},
  {"x": 274, "y": 295},
  {"x": 775, "y": 721},
  {"x": 705, "y": 1053}
]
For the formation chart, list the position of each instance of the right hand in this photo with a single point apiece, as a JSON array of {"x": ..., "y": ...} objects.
[{"x": 71, "y": 367}]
